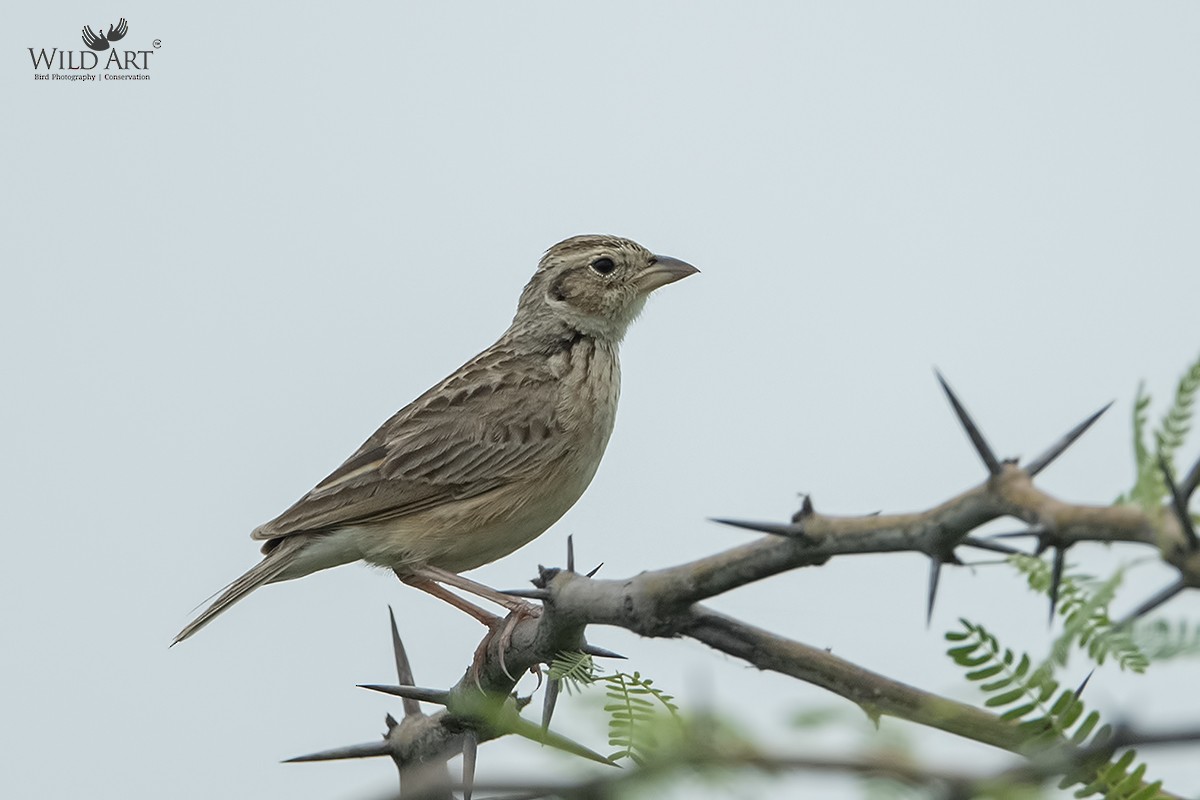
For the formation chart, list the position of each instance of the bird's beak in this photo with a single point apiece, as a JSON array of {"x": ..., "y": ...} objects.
[{"x": 663, "y": 270}]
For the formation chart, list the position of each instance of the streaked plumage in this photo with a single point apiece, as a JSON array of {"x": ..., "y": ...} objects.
[{"x": 489, "y": 458}]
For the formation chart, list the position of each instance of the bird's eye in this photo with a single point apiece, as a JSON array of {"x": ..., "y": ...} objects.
[{"x": 604, "y": 265}]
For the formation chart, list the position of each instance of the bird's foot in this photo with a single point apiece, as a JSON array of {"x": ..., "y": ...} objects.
[{"x": 500, "y": 634}]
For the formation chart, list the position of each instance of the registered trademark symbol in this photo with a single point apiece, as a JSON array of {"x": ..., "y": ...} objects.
[{"x": 157, "y": 43}]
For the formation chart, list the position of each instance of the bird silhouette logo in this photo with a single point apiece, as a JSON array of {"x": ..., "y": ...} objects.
[{"x": 100, "y": 41}]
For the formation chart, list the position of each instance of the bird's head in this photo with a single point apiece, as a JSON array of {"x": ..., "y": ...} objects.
[{"x": 596, "y": 285}]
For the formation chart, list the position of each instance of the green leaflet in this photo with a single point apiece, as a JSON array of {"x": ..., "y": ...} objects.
[
  {"x": 633, "y": 703},
  {"x": 1083, "y": 606},
  {"x": 1149, "y": 490},
  {"x": 634, "y": 707},
  {"x": 1047, "y": 713},
  {"x": 576, "y": 670},
  {"x": 1161, "y": 640}
]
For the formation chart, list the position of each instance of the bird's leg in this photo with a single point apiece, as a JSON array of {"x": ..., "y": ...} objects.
[
  {"x": 476, "y": 588},
  {"x": 430, "y": 586},
  {"x": 430, "y": 579}
]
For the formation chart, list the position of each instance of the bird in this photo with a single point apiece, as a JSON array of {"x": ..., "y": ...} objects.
[{"x": 490, "y": 457}]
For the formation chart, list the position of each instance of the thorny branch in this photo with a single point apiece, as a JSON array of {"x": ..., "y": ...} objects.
[
  {"x": 943, "y": 784},
  {"x": 665, "y": 603}
]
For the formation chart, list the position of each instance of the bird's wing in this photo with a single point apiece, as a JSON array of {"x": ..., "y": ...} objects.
[{"x": 490, "y": 424}]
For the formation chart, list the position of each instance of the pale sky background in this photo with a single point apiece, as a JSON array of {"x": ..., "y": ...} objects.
[{"x": 218, "y": 282}]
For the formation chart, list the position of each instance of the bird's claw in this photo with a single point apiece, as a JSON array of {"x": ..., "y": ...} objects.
[{"x": 500, "y": 633}]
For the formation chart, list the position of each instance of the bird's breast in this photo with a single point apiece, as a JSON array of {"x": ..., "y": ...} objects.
[{"x": 589, "y": 381}]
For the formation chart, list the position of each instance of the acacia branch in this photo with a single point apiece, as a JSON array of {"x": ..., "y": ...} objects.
[
  {"x": 700, "y": 752},
  {"x": 665, "y": 603}
]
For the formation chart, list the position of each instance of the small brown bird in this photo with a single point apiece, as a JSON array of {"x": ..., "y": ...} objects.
[{"x": 487, "y": 460}]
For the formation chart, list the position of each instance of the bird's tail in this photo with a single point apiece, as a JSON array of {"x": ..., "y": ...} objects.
[{"x": 265, "y": 571}]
